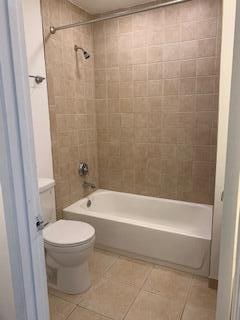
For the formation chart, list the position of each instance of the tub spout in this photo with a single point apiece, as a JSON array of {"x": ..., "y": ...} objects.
[{"x": 89, "y": 185}]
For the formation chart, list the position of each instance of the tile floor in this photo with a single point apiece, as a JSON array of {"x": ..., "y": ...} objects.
[{"x": 129, "y": 289}]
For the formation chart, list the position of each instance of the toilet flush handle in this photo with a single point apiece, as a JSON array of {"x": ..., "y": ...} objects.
[{"x": 40, "y": 223}]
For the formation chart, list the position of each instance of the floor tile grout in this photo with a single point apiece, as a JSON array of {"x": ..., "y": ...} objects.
[
  {"x": 61, "y": 298},
  {"x": 95, "y": 312},
  {"x": 139, "y": 291},
  {"x": 54, "y": 295},
  {"x": 103, "y": 276},
  {"x": 71, "y": 313},
  {"x": 109, "y": 267},
  {"x": 186, "y": 301}
]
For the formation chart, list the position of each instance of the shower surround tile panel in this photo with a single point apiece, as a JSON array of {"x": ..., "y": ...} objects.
[
  {"x": 71, "y": 89},
  {"x": 142, "y": 111},
  {"x": 156, "y": 86},
  {"x": 158, "y": 293}
]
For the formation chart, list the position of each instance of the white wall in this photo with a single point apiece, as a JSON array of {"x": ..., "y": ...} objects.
[
  {"x": 7, "y": 308},
  {"x": 39, "y": 98},
  {"x": 228, "y": 24}
]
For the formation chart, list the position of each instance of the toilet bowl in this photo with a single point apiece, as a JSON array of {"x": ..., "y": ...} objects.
[{"x": 68, "y": 245}]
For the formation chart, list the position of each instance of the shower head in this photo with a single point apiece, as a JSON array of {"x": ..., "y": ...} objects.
[{"x": 85, "y": 53}]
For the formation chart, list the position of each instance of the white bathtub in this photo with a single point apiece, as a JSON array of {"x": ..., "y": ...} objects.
[{"x": 167, "y": 232}]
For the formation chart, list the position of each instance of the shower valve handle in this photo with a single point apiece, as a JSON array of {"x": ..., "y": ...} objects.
[{"x": 83, "y": 169}]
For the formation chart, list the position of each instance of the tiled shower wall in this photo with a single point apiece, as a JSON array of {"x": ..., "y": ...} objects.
[
  {"x": 156, "y": 76},
  {"x": 154, "y": 93},
  {"x": 71, "y": 90}
]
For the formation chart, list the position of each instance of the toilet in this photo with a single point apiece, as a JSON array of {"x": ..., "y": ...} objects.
[{"x": 68, "y": 246}]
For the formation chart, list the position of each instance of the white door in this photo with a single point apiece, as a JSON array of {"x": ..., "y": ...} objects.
[
  {"x": 231, "y": 204},
  {"x": 18, "y": 171}
]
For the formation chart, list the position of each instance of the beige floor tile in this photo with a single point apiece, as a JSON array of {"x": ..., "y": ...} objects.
[
  {"x": 110, "y": 299},
  {"x": 149, "y": 306},
  {"x": 169, "y": 283},
  {"x": 73, "y": 298},
  {"x": 100, "y": 262},
  {"x": 128, "y": 271},
  {"x": 59, "y": 309},
  {"x": 201, "y": 297},
  {"x": 195, "y": 313},
  {"x": 83, "y": 314}
]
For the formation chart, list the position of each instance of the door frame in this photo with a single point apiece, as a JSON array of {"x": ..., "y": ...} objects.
[
  {"x": 18, "y": 170},
  {"x": 228, "y": 291}
]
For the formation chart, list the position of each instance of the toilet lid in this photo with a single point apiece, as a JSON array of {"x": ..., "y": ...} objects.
[{"x": 68, "y": 233}]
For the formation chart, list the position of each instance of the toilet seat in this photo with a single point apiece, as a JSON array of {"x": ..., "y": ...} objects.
[{"x": 68, "y": 233}]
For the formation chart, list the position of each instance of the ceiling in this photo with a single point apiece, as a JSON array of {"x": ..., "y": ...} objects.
[{"x": 101, "y": 6}]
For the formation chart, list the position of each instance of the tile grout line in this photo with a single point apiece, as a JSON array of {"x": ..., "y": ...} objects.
[
  {"x": 70, "y": 313},
  {"x": 187, "y": 296},
  {"x": 95, "y": 312},
  {"x": 110, "y": 266},
  {"x": 61, "y": 298},
  {"x": 139, "y": 291}
]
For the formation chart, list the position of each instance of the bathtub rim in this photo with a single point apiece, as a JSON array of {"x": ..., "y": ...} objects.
[
  {"x": 95, "y": 214},
  {"x": 135, "y": 195}
]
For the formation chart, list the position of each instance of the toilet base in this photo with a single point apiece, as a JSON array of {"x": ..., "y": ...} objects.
[{"x": 71, "y": 280}]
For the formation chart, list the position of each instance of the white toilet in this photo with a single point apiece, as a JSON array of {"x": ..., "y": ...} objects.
[{"x": 68, "y": 245}]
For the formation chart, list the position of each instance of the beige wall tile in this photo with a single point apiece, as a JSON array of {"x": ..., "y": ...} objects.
[
  {"x": 188, "y": 50},
  {"x": 207, "y": 28},
  {"x": 206, "y": 47},
  {"x": 171, "y": 87},
  {"x": 171, "y": 52},
  {"x": 126, "y": 73},
  {"x": 171, "y": 69},
  {"x": 172, "y": 33},
  {"x": 187, "y": 86},
  {"x": 125, "y": 89},
  {"x": 206, "y": 66},
  {"x": 125, "y": 24},
  {"x": 140, "y": 88},
  {"x": 188, "y": 68},
  {"x": 140, "y": 72},
  {"x": 205, "y": 85},
  {"x": 188, "y": 31},
  {"x": 155, "y": 37},
  {"x": 155, "y": 54},
  {"x": 155, "y": 71}
]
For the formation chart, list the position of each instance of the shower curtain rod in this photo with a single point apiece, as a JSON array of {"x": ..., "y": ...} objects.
[{"x": 116, "y": 15}]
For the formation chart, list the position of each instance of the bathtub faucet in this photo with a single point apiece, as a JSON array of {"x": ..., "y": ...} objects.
[{"x": 89, "y": 185}]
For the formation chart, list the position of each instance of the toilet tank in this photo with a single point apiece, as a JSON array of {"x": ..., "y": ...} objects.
[{"x": 47, "y": 200}]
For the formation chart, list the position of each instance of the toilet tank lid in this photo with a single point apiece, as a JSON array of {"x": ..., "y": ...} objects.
[{"x": 45, "y": 184}]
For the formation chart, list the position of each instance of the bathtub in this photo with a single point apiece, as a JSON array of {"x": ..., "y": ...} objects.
[{"x": 167, "y": 232}]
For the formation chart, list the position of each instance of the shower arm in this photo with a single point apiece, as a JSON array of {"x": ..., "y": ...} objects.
[
  {"x": 116, "y": 15},
  {"x": 76, "y": 48}
]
